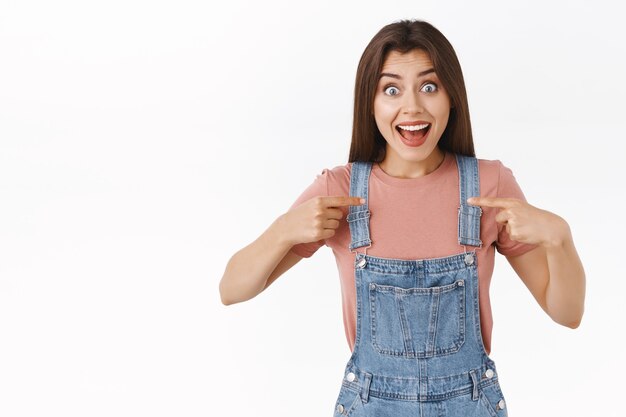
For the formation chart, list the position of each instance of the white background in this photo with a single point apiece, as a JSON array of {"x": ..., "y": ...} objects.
[{"x": 142, "y": 143}]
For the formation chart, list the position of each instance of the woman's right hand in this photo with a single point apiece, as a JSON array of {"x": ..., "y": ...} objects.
[{"x": 315, "y": 219}]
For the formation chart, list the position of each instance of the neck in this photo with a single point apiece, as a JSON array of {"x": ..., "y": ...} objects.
[{"x": 404, "y": 169}]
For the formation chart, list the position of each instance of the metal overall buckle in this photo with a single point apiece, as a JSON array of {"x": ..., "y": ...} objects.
[
  {"x": 469, "y": 256},
  {"x": 361, "y": 263}
]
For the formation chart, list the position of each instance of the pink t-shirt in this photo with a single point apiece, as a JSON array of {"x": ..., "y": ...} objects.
[{"x": 416, "y": 218}]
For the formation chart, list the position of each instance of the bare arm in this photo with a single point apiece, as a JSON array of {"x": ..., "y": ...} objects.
[
  {"x": 554, "y": 274},
  {"x": 248, "y": 270},
  {"x": 253, "y": 268}
]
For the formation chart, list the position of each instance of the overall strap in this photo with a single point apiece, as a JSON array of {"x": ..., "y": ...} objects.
[
  {"x": 358, "y": 216},
  {"x": 469, "y": 186}
]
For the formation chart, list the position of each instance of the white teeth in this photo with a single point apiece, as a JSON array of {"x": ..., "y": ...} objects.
[{"x": 413, "y": 128}]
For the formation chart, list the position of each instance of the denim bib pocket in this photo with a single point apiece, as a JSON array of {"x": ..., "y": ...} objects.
[{"x": 417, "y": 322}]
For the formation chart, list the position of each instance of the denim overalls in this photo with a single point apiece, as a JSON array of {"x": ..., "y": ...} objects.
[{"x": 418, "y": 350}]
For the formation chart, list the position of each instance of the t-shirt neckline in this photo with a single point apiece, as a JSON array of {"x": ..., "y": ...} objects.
[{"x": 437, "y": 174}]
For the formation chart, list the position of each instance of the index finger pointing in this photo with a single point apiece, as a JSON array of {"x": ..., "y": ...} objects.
[
  {"x": 336, "y": 201},
  {"x": 501, "y": 202}
]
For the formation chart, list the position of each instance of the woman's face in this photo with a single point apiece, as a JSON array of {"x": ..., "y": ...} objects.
[{"x": 408, "y": 94}]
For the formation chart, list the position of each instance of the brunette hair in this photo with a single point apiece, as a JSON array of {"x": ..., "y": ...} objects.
[{"x": 403, "y": 36}]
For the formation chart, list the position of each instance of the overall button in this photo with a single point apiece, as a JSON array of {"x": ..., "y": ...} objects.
[
  {"x": 489, "y": 373},
  {"x": 501, "y": 404},
  {"x": 469, "y": 259},
  {"x": 340, "y": 408},
  {"x": 361, "y": 263},
  {"x": 350, "y": 377}
]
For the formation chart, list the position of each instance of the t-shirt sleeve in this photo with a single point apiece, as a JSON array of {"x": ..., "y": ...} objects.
[
  {"x": 508, "y": 187},
  {"x": 319, "y": 187}
]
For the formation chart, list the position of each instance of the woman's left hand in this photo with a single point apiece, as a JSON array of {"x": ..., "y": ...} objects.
[{"x": 526, "y": 223}]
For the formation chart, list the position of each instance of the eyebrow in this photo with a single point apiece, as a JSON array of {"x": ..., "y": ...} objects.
[{"x": 388, "y": 74}]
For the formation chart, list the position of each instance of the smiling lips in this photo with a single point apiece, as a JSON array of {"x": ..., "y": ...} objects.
[{"x": 413, "y": 131}]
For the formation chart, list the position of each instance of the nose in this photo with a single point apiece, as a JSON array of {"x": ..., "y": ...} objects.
[{"x": 412, "y": 104}]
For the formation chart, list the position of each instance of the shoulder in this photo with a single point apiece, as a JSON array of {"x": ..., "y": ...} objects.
[
  {"x": 500, "y": 177},
  {"x": 338, "y": 178},
  {"x": 492, "y": 168},
  {"x": 489, "y": 169},
  {"x": 340, "y": 171}
]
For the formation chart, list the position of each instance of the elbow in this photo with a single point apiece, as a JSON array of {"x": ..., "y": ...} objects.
[
  {"x": 576, "y": 322},
  {"x": 228, "y": 297},
  {"x": 224, "y": 298},
  {"x": 571, "y": 322},
  {"x": 225, "y": 301}
]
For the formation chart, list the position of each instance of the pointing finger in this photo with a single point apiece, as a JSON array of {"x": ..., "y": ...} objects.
[
  {"x": 492, "y": 201},
  {"x": 337, "y": 201}
]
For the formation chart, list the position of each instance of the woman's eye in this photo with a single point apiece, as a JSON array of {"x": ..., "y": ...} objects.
[
  {"x": 431, "y": 90},
  {"x": 429, "y": 87},
  {"x": 391, "y": 88}
]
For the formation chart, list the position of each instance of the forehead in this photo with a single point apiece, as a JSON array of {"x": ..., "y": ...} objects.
[{"x": 415, "y": 60}]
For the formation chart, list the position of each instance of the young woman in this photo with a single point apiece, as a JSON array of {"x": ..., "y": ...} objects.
[{"x": 414, "y": 219}]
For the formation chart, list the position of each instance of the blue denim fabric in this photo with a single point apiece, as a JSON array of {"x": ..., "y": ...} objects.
[{"x": 419, "y": 350}]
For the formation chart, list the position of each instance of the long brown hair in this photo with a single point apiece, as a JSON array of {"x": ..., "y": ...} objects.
[{"x": 402, "y": 36}]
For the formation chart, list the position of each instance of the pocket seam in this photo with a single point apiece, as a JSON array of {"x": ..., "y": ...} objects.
[
  {"x": 485, "y": 401},
  {"x": 348, "y": 393},
  {"x": 354, "y": 404},
  {"x": 457, "y": 343}
]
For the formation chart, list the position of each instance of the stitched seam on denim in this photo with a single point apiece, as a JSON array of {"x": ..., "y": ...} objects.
[
  {"x": 482, "y": 384},
  {"x": 411, "y": 353},
  {"x": 442, "y": 289},
  {"x": 391, "y": 270},
  {"x": 486, "y": 403},
  {"x": 353, "y": 404},
  {"x": 361, "y": 241},
  {"x": 358, "y": 215},
  {"x": 432, "y": 397},
  {"x": 476, "y": 311},
  {"x": 429, "y": 397}
]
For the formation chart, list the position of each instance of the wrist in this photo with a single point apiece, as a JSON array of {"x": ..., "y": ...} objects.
[
  {"x": 561, "y": 235},
  {"x": 280, "y": 231}
]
